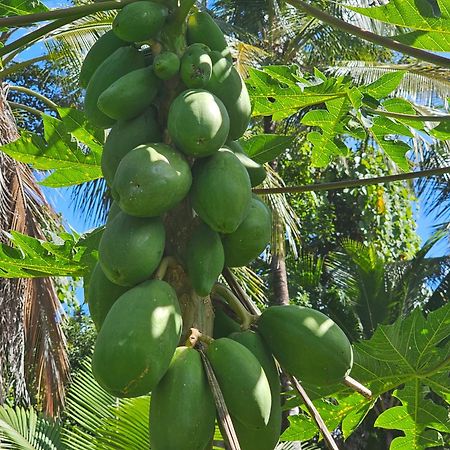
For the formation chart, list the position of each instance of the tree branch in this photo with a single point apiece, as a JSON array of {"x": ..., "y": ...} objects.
[
  {"x": 354, "y": 183},
  {"x": 369, "y": 36}
]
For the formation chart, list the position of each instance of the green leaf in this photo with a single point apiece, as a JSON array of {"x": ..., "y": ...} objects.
[
  {"x": 435, "y": 41},
  {"x": 21, "y": 7},
  {"x": 384, "y": 85},
  {"x": 266, "y": 147},
  {"x": 442, "y": 131},
  {"x": 400, "y": 105}
]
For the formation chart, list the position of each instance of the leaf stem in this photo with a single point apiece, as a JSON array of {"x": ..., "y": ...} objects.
[
  {"x": 29, "y": 109},
  {"x": 369, "y": 36},
  {"x": 358, "y": 387},
  {"x": 40, "y": 97},
  {"x": 434, "y": 118},
  {"x": 354, "y": 183},
  {"x": 15, "y": 67}
]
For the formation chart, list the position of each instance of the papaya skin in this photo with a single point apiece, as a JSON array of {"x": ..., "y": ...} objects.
[
  {"x": 137, "y": 340},
  {"x": 131, "y": 248},
  {"x": 221, "y": 191},
  {"x": 255, "y": 171},
  {"x": 183, "y": 396},
  {"x": 166, "y": 65},
  {"x": 307, "y": 343},
  {"x": 224, "y": 325},
  {"x": 196, "y": 67},
  {"x": 151, "y": 179}
]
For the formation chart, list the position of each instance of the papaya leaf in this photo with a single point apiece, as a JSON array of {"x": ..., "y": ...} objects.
[
  {"x": 400, "y": 105},
  {"x": 384, "y": 85},
  {"x": 69, "y": 149},
  {"x": 442, "y": 131},
  {"x": 427, "y": 40},
  {"x": 21, "y": 7},
  {"x": 266, "y": 147}
]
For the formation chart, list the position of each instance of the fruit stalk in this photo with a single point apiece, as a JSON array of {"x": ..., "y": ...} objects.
[
  {"x": 166, "y": 263},
  {"x": 196, "y": 336},
  {"x": 358, "y": 387}
]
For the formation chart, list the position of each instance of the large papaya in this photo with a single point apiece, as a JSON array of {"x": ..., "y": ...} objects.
[
  {"x": 150, "y": 180},
  {"x": 255, "y": 171},
  {"x": 221, "y": 191},
  {"x": 122, "y": 61},
  {"x": 204, "y": 259},
  {"x": 124, "y": 136},
  {"x": 242, "y": 381},
  {"x": 182, "y": 397},
  {"x": 101, "y": 295},
  {"x": 137, "y": 340},
  {"x": 251, "y": 236},
  {"x": 103, "y": 47},
  {"x": 198, "y": 122},
  {"x": 307, "y": 343},
  {"x": 201, "y": 28},
  {"x": 227, "y": 84},
  {"x": 131, "y": 248},
  {"x": 196, "y": 66},
  {"x": 139, "y": 21},
  {"x": 130, "y": 95},
  {"x": 264, "y": 438}
]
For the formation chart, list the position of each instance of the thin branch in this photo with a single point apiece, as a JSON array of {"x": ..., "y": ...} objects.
[
  {"x": 442, "y": 118},
  {"x": 40, "y": 97},
  {"x": 29, "y": 109},
  {"x": 358, "y": 387},
  {"x": 369, "y": 36},
  {"x": 15, "y": 67},
  {"x": 354, "y": 183}
]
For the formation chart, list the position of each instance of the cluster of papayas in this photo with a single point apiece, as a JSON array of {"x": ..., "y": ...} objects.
[{"x": 175, "y": 115}]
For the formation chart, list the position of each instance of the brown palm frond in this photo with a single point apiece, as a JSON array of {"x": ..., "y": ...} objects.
[{"x": 33, "y": 357}]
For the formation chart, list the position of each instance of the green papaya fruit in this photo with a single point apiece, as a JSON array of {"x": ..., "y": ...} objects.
[
  {"x": 114, "y": 209},
  {"x": 251, "y": 237},
  {"x": 139, "y": 21},
  {"x": 255, "y": 171},
  {"x": 131, "y": 248},
  {"x": 166, "y": 65},
  {"x": 221, "y": 191},
  {"x": 196, "y": 67},
  {"x": 130, "y": 95},
  {"x": 124, "y": 136},
  {"x": 122, "y": 61},
  {"x": 103, "y": 47},
  {"x": 307, "y": 343},
  {"x": 201, "y": 28},
  {"x": 150, "y": 180},
  {"x": 242, "y": 381},
  {"x": 182, "y": 397},
  {"x": 264, "y": 438},
  {"x": 102, "y": 294},
  {"x": 227, "y": 84},
  {"x": 198, "y": 122},
  {"x": 224, "y": 325},
  {"x": 137, "y": 340},
  {"x": 204, "y": 259}
]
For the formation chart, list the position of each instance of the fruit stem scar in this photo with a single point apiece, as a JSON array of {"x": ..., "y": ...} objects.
[
  {"x": 166, "y": 262},
  {"x": 196, "y": 336}
]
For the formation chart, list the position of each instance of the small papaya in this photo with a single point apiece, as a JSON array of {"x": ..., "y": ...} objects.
[
  {"x": 139, "y": 21},
  {"x": 196, "y": 67},
  {"x": 184, "y": 397},
  {"x": 224, "y": 325},
  {"x": 201, "y": 28},
  {"x": 226, "y": 84},
  {"x": 130, "y": 95},
  {"x": 131, "y": 248},
  {"x": 307, "y": 343},
  {"x": 136, "y": 342},
  {"x": 150, "y": 180},
  {"x": 242, "y": 380},
  {"x": 204, "y": 259},
  {"x": 126, "y": 135},
  {"x": 103, "y": 47},
  {"x": 122, "y": 61},
  {"x": 198, "y": 122},
  {"x": 256, "y": 171},
  {"x": 251, "y": 237},
  {"x": 221, "y": 191},
  {"x": 166, "y": 65}
]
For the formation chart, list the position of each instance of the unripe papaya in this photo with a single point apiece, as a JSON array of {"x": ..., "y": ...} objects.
[
  {"x": 166, "y": 65},
  {"x": 221, "y": 191},
  {"x": 201, "y": 28},
  {"x": 242, "y": 380},
  {"x": 131, "y": 248},
  {"x": 137, "y": 340},
  {"x": 101, "y": 295},
  {"x": 198, "y": 122},
  {"x": 115, "y": 66},
  {"x": 204, "y": 259},
  {"x": 126, "y": 135},
  {"x": 307, "y": 343},
  {"x": 150, "y": 180},
  {"x": 196, "y": 67},
  {"x": 227, "y": 84},
  {"x": 251, "y": 236},
  {"x": 139, "y": 21},
  {"x": 130, "y": 95},
  {"x": 113, "y": 211},
  {"x": 224, "y": 325},
  {"x": 256, "y": 171},
  {"x": 103, "y": 47},
  {"x": 182, "y": 397}
]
